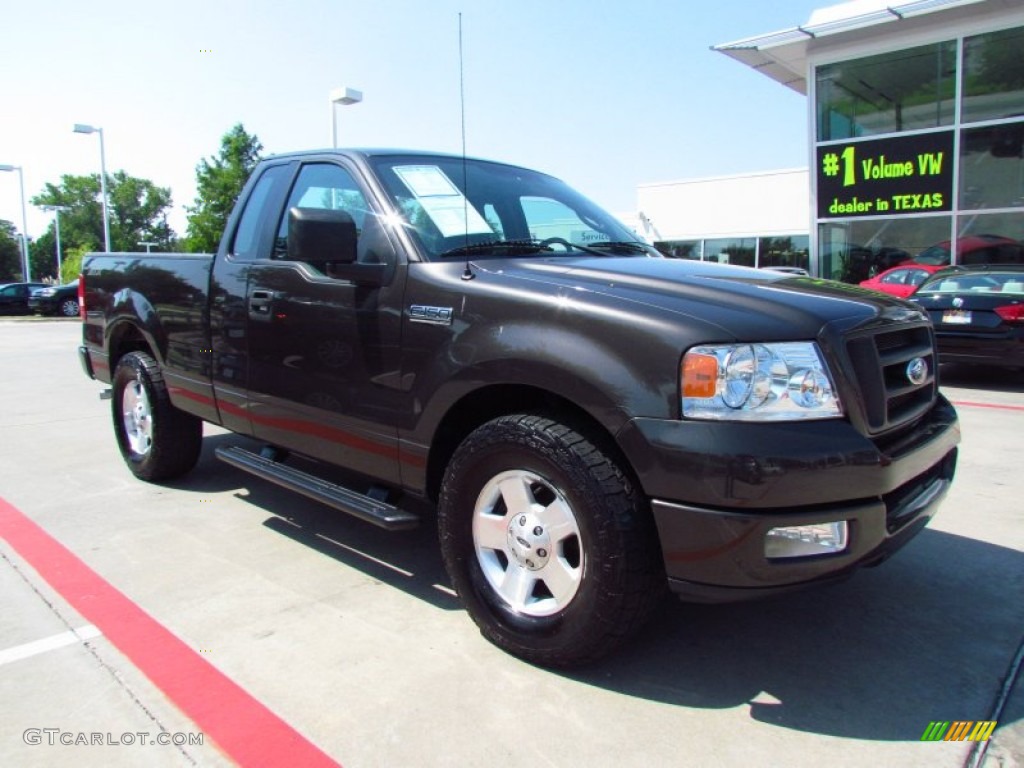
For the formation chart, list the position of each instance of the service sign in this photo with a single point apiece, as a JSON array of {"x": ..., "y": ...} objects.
[{"x": 886, "y": 177}]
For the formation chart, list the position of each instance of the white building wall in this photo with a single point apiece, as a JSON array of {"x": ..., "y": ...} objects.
[{"x": 765, "y": 204}]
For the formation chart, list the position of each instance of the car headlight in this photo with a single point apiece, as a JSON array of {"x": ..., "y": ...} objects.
[{"x": 757, "y": 382}]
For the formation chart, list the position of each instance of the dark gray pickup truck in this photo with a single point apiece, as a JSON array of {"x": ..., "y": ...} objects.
[{"x": 592, "y": 422}]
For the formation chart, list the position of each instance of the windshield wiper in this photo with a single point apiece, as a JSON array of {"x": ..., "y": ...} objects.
[
  {"x": 630, "y": 246},
  {"x": 525, "y": 247},
  {"x": 505, "y": 246}
]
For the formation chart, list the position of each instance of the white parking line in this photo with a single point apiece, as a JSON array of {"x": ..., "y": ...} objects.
[{"x": 70, "y": 637}]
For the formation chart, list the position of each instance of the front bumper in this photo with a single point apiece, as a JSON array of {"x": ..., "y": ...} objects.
[{"x": 717, "y": 489}]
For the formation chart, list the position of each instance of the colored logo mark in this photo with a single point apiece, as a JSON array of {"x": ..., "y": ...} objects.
[{"x": 958, "y": 730}]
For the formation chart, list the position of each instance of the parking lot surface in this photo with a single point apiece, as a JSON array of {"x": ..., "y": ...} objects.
[{"x": 345, "y": 643}]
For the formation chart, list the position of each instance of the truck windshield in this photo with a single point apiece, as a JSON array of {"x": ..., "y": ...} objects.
[{"x": 490, "y": 209}]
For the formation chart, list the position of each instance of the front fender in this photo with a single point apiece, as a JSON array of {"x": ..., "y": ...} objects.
[{"x": 609, "y": 382}]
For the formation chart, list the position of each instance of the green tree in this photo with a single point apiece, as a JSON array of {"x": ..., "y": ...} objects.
[
  {"x": 10, "y": 253},
  {"x": 138, "y": 212},
  {"x": 219, "y": 181},
  {"x": 42, "y": 255},
  {"x": 72, "y": 266},
  {"x": 82, "y": 223}
]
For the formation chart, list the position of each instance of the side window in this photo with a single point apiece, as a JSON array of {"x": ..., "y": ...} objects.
[
  {"x": 327, "y": 186},
  {"x": 917, "y": 277},
  {"x": 895, "y": 278},
  {"x": 247, "y": 236}
]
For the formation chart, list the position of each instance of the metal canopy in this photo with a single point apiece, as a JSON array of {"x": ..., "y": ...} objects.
[{"x": 782, "y": 55}]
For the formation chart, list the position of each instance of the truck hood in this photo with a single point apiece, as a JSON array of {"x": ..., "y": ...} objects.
[{"x": 746, "y": 304}]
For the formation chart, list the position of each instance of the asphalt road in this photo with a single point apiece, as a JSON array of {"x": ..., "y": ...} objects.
[{"x": 352, "y": 642}]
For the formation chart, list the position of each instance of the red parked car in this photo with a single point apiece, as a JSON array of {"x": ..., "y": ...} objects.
[{"x": 900, "y": 281}]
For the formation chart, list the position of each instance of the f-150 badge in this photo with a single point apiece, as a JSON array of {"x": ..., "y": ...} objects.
[{"x": 420, "y": 313}]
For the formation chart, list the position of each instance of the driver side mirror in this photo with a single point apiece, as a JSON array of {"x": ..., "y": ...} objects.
[{"x": 319, "y": 236}]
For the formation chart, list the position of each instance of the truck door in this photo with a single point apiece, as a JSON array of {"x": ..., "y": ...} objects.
[
  {"x": 250, "y": 238},
  {"x": 324, "y": 352}
]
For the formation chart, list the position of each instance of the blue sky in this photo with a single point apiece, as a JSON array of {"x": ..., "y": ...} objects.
[{"x": 605, "y": 96}]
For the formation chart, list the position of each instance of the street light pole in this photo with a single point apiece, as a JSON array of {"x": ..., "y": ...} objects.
[
  {"x": 80, "y": 128},
  {"x": 27, "y": 269},
  {"x": 56, "y": 212},
  {"x": 343, "y": 96}
]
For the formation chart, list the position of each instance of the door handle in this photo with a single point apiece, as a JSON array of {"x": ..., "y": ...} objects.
[{"x": 260, "y": 304}]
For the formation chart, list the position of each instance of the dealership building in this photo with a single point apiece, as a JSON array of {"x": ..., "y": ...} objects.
[{"x": 916, "y": 119}]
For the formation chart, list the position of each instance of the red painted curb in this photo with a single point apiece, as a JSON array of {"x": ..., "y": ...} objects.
[
  {"x": 243, "y": 728},
  {"x": 995, "y": 406}
]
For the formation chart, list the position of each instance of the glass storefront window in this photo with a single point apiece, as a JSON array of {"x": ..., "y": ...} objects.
[
  {"x": 907, "y": 90},
  {"x": 852, "y": 251},
  {"x": 784, "y": 252},
  {"x": 991, "y": 238},
  {"x": 992, "y": 166},
  {"x": 738, "y": 251},
  {"x": 679, "y": 249},
  {"x": 911, "y": 93},
  {"x": 993, "y": 84}
]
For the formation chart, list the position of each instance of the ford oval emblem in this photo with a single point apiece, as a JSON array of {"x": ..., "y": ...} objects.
[{"x": 917, "y": 371}]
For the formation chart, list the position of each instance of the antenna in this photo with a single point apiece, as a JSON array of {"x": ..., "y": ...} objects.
[{"x": 467, "y": 273}]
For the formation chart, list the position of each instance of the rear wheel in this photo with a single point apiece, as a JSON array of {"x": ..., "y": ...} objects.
[
  {"x": 69, "y": 308},
  {"x": 547, "y": 542},
  {"x": 157, "y": 441}
]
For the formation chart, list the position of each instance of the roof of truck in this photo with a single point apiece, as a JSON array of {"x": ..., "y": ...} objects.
[{"x": 366, "y": 152}]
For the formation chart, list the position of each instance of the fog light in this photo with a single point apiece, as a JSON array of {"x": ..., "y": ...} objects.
[{"x": 806, "y": 540}]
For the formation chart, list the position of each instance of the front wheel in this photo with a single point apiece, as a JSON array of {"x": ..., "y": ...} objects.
[
  {"x": 158, "y": 441},
  {"x": 547, "y": 542}
]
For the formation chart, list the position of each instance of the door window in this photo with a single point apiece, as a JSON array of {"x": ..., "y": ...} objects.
[
  {"x": 246, "y": 244},
  {"x": 329, "y": 187},
  {"x": 899, "y": 277}
]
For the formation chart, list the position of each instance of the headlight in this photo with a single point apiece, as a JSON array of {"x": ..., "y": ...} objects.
[{"x": 757, "y": 382}]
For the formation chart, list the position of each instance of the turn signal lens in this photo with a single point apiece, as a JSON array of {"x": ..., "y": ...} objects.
[{"x": 700, "y": 375}]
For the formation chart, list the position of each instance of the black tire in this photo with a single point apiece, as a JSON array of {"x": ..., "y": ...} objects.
[
  {"x": 158, "y": 441},
  {"x": 547, "y": 542},
  {"x": 68, "y": 308}
]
